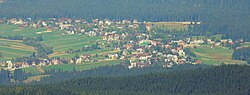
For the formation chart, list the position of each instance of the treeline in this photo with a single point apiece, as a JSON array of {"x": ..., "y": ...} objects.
[
  {"x": 113, "y": 71},
  {"x": 4, "y": 77},
  {"x": 242, "y": 54},
  {"x": 228, "y": 17},
  {"x": 57, "y": 75},
  {"x": 15, "y": 77},
  {"x": 219, "y": 80}
]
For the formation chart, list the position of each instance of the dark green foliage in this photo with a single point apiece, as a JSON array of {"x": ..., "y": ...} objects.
[
  {"x": 4, "y": 77},
  {"x": 20, "y": 75},
  {"x": 189, "y": 52},
  {"x": 219, "y": 80},
  {"x": 242, "y": 53},
  {"x": 248, "y": 60}
]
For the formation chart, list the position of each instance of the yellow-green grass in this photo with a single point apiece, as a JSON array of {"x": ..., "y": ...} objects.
[
  {"x": 53, "y": 39},
  {"x": 169, "y": 25},
  {"x": 215, "y": 55},
  {"x": 61, "y": 44},
  {"x": 99, "y": 52},
  {"x": 215, "y": 37},
  {"x": 35, "y": 78},
  {"x": 246, "y": 44},
  {"x": 13, "y": 30},
  {"x": 13, "y": 48}
]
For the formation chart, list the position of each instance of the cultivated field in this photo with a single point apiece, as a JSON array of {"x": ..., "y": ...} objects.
[
  {"x": 215, "y": 55},
  {"x": 69, "y": 67},
  {"x": 247, "y": 44},
  {"x": 13, "y": 48},
  {"x": 169, "y": 25},
  {"x": 54, "y": 39}
]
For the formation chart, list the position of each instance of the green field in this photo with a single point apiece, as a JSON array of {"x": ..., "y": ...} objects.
[
  {"x": 53, "y": 39},
  {"x": 247, "y": 44},
  {"x": 70, "y": 67},
  {"x": 12, "y": 48},
  {"x": 60, "y": 43},
  {"x": 13, "y": 30},
  {"x": 215, "y": 37},
  {"x": 169, "y": 25},
  {"x": 215, "y": 55}
]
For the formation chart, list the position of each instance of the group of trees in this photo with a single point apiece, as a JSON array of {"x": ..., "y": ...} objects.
[
  {"x": 223, "y": 80},
  {"x": 4, "y": 77},
  {"x": 242, "y": 54}
]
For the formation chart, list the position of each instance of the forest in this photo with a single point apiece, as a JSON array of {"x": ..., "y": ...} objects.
[
  {"x": 57, "y": 75},
  {"x": 217, "y": 80},
  {"x": 228, "y": 17}
]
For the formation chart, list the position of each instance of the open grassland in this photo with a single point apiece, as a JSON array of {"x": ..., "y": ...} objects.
[
  {"x": 215, "y": 55},
  {"x": 169, "y": 25},
  {"x": 214, "y": 37},
  {"x": 63, "y": 43},
  {"x": 37, "y": 70},
  {"x": 53, "y": 39},
  {"x": 246, "y": 44},
  {"x": 14, "y": 48},
  {"x": 35, "y": 78},
  {"x": 13, "y": 30}
]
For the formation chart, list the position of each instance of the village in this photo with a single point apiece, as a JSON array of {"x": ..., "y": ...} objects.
[{"x": 131, "y": 40}]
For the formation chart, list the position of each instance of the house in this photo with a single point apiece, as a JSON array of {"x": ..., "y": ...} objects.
[
  {"x": 86, "y": 57},
  {"x": 148, "y": 27},
  {"x": 49, "y": 29},
  {"x": 55, "y": 62},
  {"x": 197, "y": 62},
  {"x": 113, "y": 56},
  {"x": 79, "y": 60},
  {"x": 10, "y": 65},
  {"x": 128, "y": 46},
  {"x": 12, "y": 21},
  {"x": 22, "y": 64},
  {"x": 226, "y": 40},
  {"x": 108, "y": 22},
  {"x": 143, "y": 56},
  {"x": 197, "y": 42},
  {"x": 92, "y": 33}
]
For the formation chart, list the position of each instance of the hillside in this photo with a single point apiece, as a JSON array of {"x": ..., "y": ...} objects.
[
  {"x": 229, "y": 17},
  {"x": 222, "y": 80}
]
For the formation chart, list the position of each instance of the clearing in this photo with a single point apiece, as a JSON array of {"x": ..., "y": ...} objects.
[
  {"x": 215, "y": 55},
  {"x": 14, "y": 48}
]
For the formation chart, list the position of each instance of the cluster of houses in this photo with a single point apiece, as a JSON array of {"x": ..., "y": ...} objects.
[
  {"x": 142, "y": 51},
  {"x": 9, "y": 65}
]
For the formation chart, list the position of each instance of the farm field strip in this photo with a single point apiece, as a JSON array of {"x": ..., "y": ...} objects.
[{"x": 215, "y": 55}]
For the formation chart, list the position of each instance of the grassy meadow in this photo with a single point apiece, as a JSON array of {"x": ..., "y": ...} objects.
[
  {"x": 12, "y": 48},
  {"x": 168, "y": 25},
  {"x": 215, "y": 55},
  {"x": 53, "y": 39},
  {"x": 246, "y": 44},
  {"x": 38, "y": 70}
]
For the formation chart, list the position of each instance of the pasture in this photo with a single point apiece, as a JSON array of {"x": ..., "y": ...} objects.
[
  {"x": 246, "y": 44},
  {"x": 70, "y": 67},
  {"x": 14, "y": 48},
  {"x": 60, "y": 43},
  {"x": 217, "y": 55},
  {"x": 169, "y": 25}
]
